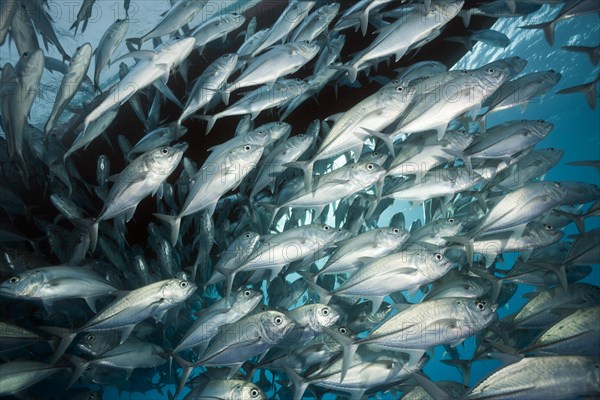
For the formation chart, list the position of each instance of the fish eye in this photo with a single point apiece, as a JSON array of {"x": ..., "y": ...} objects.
[
  {"x": 91, "y": 337},
  {"x": 164, "y": 151},
  {"x": 91, "y": 396},
  {"x": 247, "y": 293},
  {"x": 399, "y": 89},
  {"x": 438, "y": 257},
  {"x": 548, "y": 227},
  {"x": 14, "y": 279},
  {"x": 247, "y": 235},
  {"x": 491, "y": 70},
  {"x": 254, "y": 393},
  {"x": 396, "y": 81},
  {"x": 326, "y": 227},
  {"x": 369, "y": 167},
  {"x": 551, "y": 148},
  {"x": 278, "y": 320},
  {"x": 25, "y": 54},
  {"x": 306, "y": 41},
  {"x": 325, "y": 311},
  {"x": 226, "y": 55},
  {"x": 464, "y": 71},
  {"x": 263, "y": 308},
  {"x": 183, "y": 284},
  {"x": 451, "y": 220},
  {"x": 177, "y": 37},
  {"x": 480, "y": 305},
  {"x": 396, "y": 230},
  {"x": 247, "y": 147},
  {"x": 342, "y": 330}
]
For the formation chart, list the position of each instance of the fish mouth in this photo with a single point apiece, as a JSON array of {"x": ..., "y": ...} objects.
[{"x": 183, "y": 146}]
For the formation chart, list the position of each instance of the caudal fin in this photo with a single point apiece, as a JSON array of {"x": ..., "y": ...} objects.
[
  {"x": 92, "y": 226},
  {"x": 174, "y": 221},
  {"x": 66, "y": 337},
  {"x": 307, "y": 168},
  {"x": 588, "y": 89},
  {"x": 299, "y": 382},
  {"x": 349, "y": 347},
  {"x": 135, "y": 41},
  {"x": 210, "y": 121},
  {"x": 547, "y": 27}
]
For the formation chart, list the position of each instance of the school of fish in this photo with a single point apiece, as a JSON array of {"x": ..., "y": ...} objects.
[{"x": 267, "y": 271}]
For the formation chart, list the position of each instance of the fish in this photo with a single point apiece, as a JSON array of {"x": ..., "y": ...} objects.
[
  {"x": 139, "y": 179},
  {"x": 125, "y": 313},
  {"x": 212, "y": 181},
  {"x": 182, "y": 12},
  {"x": 108, "y": 44},
  {"x": 152, "y": 65},
  {"x": 568, "y": 11},
  {"x": 369, "y": 210},
  {"x": 70, "y": 84}
]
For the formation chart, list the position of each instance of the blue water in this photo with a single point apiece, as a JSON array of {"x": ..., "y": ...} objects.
[{"x": 576, "y": 131}]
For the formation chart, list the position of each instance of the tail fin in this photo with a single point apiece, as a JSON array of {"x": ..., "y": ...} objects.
[
  {"x": 578, "y": 219},
  {"x": 307, "y": 167},
  {"x": 464, "y": 366},
  {"x": 590, "y": 51},
  {"x": 348, "y": 345},
  {"x": 350, "y": 69},
  {"x": 547, "y": 27},
  {"x": 324, "y": 295},
  {"x": 210, "y": 121},
  {"x": 80, "y": 366},
  {"x": 135, "y": 41},
  {"x": 299, "y": 382},
  {"x": 187, "y": 370},
  {"x": 174, "y": 222},
  {"x": 431, "y": 388},
  {"x": 66, "y": 337},
  {"x": 588, "y": 89},
  {"x": 92, "y": 226}
]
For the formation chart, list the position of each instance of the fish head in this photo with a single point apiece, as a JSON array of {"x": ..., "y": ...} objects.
[
  {"x": 176, "y": 50},
  {"x": 541, "y": 128},
  {"x": 247, "y": 391},
  {"x": 322, "y": 315},
  {"x": 30, "y": 64},
  {"x": 276, "y": 130},
  {"x": 554, "y": 191},
  {"x": 510, "y": 66},
  {"x": 432, "y": 263},
  {"x": 481, "y": 312},
  {"x": 542, "y": 234},
  {"x": 175, "y": 291},
  {"x": 328, "y": 12},
  {"x": 234, "y": 20},
  {"x": 244, "y": 156},
  {"x": 393, "y": 237},
  {"x": 275, "y": 325},
  {"x": 24, "y": 285},
  {"x": 247, "y": 241},
  {"x": 306, "y": 48},
  {"x": 96, "y": 343},
  {"x": 459, "y": 139},
  {"x": 227, "y": 61},
  {"x": 246, "y": 300},
  {"x": 375, "y": 157},
  {"x": 164, "y": 160},
  {"x": 364, "y": 174}
]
